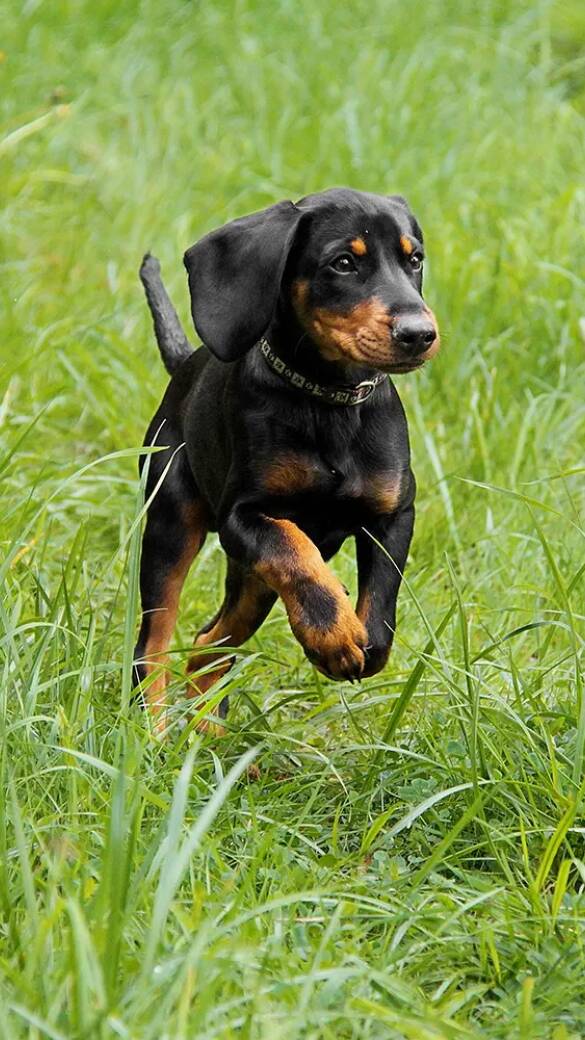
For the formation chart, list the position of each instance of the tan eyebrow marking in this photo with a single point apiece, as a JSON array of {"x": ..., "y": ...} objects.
[
  {"x": 358, "y": 246},
  {"x": 407, "y": 246}
]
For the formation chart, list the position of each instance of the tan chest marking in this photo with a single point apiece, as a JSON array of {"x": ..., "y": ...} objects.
[
  {"x": 382, "y": 492},
  {"x": 289, "y": 474}
]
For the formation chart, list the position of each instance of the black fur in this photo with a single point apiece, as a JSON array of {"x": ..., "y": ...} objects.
[{"x": 173, "y": 343}]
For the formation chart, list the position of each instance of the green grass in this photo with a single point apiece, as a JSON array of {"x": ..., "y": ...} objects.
[{"x": 408, "y": 860}]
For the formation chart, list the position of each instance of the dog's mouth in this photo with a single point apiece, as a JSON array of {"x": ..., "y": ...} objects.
[{"x": 401, "y": 367}]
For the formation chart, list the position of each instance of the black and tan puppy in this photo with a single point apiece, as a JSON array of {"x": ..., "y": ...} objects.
[{"x": 287, "y": 435}]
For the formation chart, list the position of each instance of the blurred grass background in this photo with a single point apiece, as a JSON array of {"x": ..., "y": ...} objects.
[{"x": 407, "y": 860}]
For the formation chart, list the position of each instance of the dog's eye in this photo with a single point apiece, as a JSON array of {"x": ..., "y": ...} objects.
[
  {"x": 343, "y": 264},
  {"x": 415, "y": 261}
]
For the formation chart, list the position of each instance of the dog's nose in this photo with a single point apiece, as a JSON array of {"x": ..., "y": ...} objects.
[{"x": 413, "y": 335}]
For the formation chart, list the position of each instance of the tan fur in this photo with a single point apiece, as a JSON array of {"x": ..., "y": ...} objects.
[
  {"x": 406, "y": 245},
  {"x": 382, "y": 492},
  {"x": 341, "y": 645},
  {"x": 358, "y": 247},
  {"x": 232, "y": 628},
  {"x": 362, "y": 334},
  {"x": 290, "y": 473},
  {"x": 300, "y": 292},
  {"x": 363, "y": 605},
  {"x": 163, "y": 620}
]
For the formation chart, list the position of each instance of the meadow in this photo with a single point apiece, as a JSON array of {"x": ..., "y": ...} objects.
[{"x": 400, "y": 859}]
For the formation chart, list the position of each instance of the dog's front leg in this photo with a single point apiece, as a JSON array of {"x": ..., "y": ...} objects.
[
  {"x": 382, "y": 548},
  {"x": 287, "y": 561}
]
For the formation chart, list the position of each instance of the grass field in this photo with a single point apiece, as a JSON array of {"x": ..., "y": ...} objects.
[{"x": 407, "y": 860}]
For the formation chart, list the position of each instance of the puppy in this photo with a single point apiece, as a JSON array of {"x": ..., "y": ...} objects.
[{"x": 284, "y": 434}]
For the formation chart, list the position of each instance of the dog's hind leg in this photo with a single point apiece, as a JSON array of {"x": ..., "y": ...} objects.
[
  {"x": 246, "y": 604},
  {"x": 174, "y": 533}
]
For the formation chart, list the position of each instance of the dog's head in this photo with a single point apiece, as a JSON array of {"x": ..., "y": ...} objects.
[{"x": 346, "y": 263}]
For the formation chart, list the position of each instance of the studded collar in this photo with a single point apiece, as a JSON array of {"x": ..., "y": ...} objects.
[{"x": 338, "y": 394}]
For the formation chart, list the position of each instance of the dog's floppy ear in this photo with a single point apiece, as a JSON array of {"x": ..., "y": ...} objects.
[{"x": 235, "y": 275}]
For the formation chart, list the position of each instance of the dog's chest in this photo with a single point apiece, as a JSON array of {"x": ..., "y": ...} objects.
[
  {"x": 360, "y": 464},
  {"x": 354, "y": 477},
  {"x": 342, "y": 461},
  {"x": 373, "y": 484}
]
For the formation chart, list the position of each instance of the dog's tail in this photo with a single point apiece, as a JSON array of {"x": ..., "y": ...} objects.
[{"x": 172, "y": 341}]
